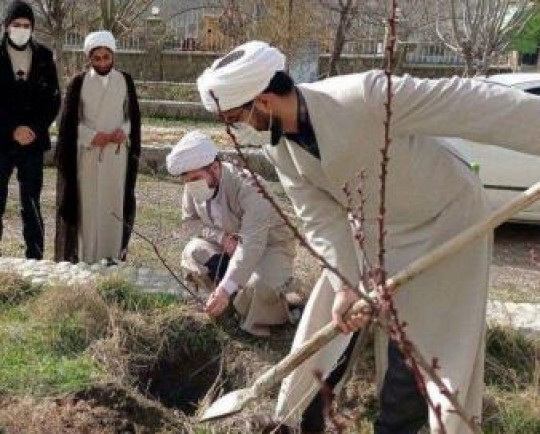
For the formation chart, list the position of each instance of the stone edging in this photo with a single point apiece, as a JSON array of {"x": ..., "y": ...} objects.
[
  {"x": 47, "y": 272},
  {"x": 524, "y": 317},
  {"x": 152, "y": 160}
]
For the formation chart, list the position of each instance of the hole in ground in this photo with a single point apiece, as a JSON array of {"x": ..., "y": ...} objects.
[{"x": 181, "y": 382}]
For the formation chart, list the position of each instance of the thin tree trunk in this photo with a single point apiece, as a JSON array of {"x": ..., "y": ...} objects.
[{"x": 339, "y": 40}]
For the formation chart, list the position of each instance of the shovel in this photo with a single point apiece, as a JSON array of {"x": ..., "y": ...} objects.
[{"x": 235, "y": 401}]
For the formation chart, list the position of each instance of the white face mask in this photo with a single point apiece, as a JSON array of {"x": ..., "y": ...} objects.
[
  {"x": 199, "y": 190},
  {"x": 247, "y": 136},
  {"x": 19, "y": 36}
]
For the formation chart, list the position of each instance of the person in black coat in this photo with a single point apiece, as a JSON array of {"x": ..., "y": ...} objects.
[{"x": 29, "y": 102}]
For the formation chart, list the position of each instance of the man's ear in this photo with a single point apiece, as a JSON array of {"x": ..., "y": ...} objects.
[
  {"x": 215, "y": 167},
  {"x": 265, "y": 102}
]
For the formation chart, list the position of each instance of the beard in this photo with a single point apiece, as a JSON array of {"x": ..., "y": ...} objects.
[
  {"x": 103, "y": 71},
  {"x": 213, "y": 182}
]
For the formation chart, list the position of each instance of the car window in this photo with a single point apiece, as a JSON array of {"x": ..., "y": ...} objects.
[{"x": 533, "y": 90}]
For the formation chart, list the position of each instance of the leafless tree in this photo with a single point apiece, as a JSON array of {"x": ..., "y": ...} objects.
[
  {"x": 121, "y": 16},
  {"x": 415, "y": 23},
  {"x": 479, "y": 30},
  {"x": 287, "y": 24},
  {"x": 56, "y": 18},
  {"x": 345, "y": 13}
]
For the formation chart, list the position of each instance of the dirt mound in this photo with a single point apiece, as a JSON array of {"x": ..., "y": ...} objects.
[{"x": 100, "y": 409}]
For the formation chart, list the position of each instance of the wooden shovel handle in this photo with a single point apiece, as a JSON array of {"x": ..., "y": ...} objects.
[{"x": 288, "y": 364}]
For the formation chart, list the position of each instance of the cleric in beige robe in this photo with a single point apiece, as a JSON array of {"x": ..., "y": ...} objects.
[
  {"x": 324, "y": 133},
  {"x": 97, "y": 156},
  {"x": 241, "y": 248}
]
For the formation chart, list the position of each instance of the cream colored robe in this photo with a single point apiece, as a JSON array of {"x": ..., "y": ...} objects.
[
  {"x": 102, "y": 178},
  {"x": 431, "y": 196},
  {"x": 262, "y": 264}
]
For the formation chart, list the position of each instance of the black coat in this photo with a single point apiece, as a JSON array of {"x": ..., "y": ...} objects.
[
  {"x": 34, "y": 103},
  {"x": 67, "y": 191}
]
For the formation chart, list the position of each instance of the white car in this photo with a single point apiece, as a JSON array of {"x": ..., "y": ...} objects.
[{"x": 503, "y": 172}]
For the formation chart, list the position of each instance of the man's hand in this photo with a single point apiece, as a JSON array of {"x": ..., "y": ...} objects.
[
  {"x": 118, "y": 136},
  {"x": 217, "y": 303},
  {"x": 24, "y": 135},
  {"x": 342, "y": 301},
  {"x": 101, "y": 140},
  {"x": 229, "y": 243}
]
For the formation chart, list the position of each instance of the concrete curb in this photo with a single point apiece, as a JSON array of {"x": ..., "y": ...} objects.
[{"x": 152, "y": 161}]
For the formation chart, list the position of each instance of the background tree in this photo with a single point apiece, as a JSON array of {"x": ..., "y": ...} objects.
[
  {"x": 55, "y": 19},
  {"x": 287, "y": 24},
  {"x": 527, "y": 41},
  {"x": 343, "y": 13},
  {"x": 414, "y": 20},
  {"x": 122, "y": 16},
  {"x": 479, "y": 30}
]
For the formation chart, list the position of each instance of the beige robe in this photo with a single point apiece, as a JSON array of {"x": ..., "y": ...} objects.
[
  {"x": 101, "y": 178},
  {"x": 431, "y": 196},
  {"x": 262, "y": 264}
]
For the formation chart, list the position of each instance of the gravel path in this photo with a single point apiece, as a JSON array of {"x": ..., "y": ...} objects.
[{"x": 514, "y": 274}]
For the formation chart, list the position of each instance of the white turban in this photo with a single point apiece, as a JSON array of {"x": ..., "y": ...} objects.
[
  {"x": 240, "y": 76},
  {"x": 103, "y": 38},
  {"x": 194, "y": 151}
]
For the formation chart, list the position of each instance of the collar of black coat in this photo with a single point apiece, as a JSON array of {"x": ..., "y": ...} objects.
[{"x": 305, "y": 137}]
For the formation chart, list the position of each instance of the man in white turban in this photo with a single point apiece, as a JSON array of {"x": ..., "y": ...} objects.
[
  {"x": 244, "y": 249},
  {"x": 99, "y": 144},
  {"x": 323, "y": 134}
]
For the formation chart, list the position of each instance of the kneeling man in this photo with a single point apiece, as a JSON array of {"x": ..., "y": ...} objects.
[{"x": 244, "y": 248}]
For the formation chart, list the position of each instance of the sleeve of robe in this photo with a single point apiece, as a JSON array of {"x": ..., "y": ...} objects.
[
  {"x": 458, "y": 107},
  {"x": 257, "y": 217},
  {"x": 134, "y": 153},
  {"x": 325, "y": 221},
  {"x": 67, "y": 196}
]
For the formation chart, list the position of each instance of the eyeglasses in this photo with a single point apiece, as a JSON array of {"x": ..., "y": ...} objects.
[{"x": 234, "y": 116}]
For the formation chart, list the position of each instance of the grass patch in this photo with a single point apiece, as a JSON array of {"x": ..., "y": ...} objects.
[
  {"x": 511, "y": 404},
  {"x": 123, "y": 294},
  {"x": 168, "y": 91},
  {"x": 178, "y": 123},
  {"x": 512, "y": 413},
  {"x": 44, "y": 342},
  {"x": 15, "y": 290},
  {"x": 33, "y": 364},
  {"x": 510, "y": 359}
]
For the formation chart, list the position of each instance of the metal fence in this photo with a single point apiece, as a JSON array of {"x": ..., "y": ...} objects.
[
  {"x": 199, "y": 30},
  {"x": 75, "y": 41},
  {"x": 433, "y": 53}
]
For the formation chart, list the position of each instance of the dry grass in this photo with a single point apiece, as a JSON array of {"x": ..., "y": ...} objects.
[
  {"x": 15, "y": 289},
  {"x": 160, "y": 354}
]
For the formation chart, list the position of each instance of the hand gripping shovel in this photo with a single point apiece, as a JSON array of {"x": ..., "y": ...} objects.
[{"x": 235, "y": 401}]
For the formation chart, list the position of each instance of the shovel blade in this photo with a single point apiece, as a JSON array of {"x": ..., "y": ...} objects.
[{"x": 227, "y": 405}]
